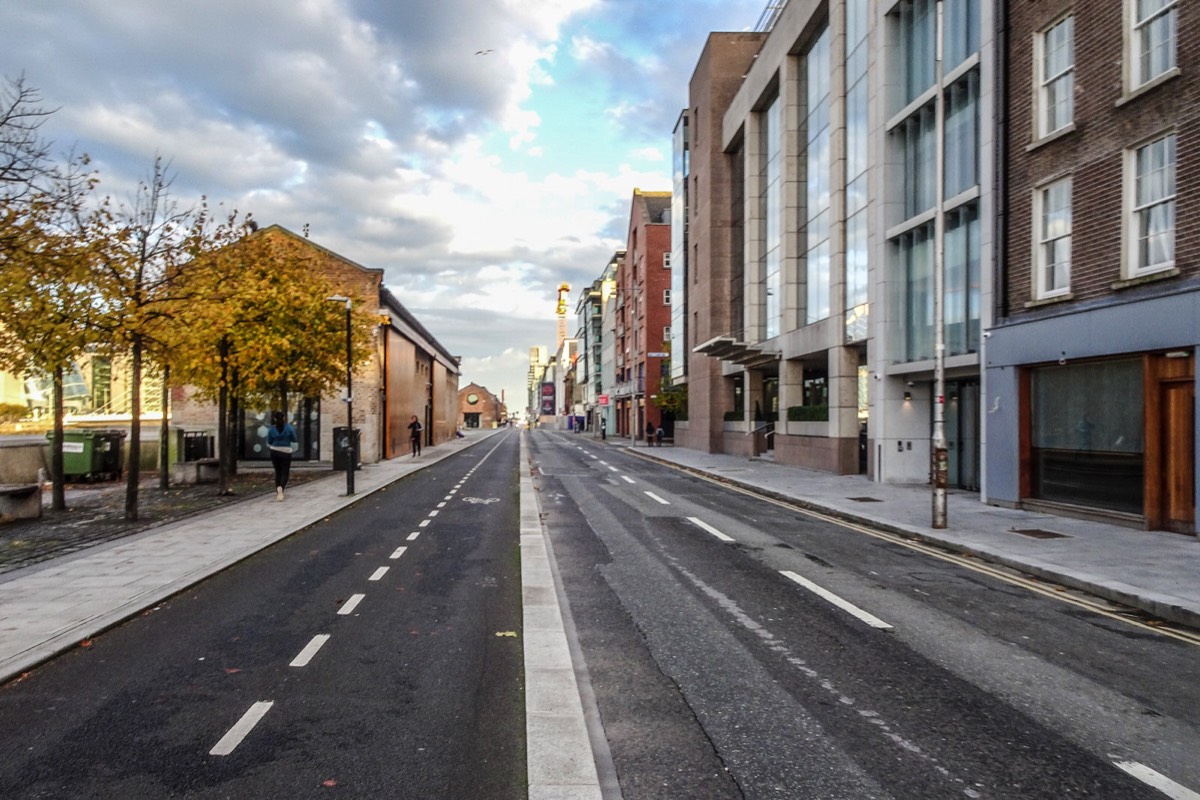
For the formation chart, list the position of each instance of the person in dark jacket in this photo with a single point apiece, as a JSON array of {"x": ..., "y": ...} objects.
[
  {"x": 414, "y": 434},
  {"x": 649, "y": 433},
  {"x": 282, "y": 442}
]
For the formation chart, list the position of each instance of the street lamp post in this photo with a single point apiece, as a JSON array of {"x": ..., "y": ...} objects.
[
  {"x": 940, "y": 455},
  {"x": 351, "y": 450}
]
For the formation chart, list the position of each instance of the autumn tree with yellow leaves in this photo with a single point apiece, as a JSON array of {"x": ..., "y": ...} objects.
[
  {"x": 264, "y": 331},
  {"x": 45, "y": 256}
]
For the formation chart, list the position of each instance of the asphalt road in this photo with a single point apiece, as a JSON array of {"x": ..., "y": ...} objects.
[
  {"x": 723, "y": 667},
  {"x": 375, "y": 655}
]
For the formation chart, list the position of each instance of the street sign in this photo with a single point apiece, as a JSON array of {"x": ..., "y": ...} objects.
[{"x": 658, "y": 355}]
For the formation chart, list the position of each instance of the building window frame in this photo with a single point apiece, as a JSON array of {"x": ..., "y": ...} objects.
[
  {"x": 1052, "y": 273},
  {"x": 1150, "y": 33},
  {"x": 1150, "y": 210},
  {"x": 666, "y": 297},
  {"x": 1055, "y": 81}
]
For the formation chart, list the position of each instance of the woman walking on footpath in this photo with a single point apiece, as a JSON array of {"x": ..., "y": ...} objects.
[
  {"x": 649, "y": 433},
  {"x": 282, "y": 441},
  {"x": 414, "y": 433}
]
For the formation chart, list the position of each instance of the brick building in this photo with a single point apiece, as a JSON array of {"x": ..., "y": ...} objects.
[
  {"x": 479, "y": 408},
  {"x": 643, "y": 314},
  {"x": 708, "y": 254},
  {"x": 1091, "y": 363},
  {"x": 409, "y": 373}
]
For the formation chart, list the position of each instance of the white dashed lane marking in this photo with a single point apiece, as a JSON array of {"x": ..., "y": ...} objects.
[
  {"x": 1156, "y": 779},
  {"x": 434, "y": 513},
  {"x": 656, "y": 498},
  {"x": 399, "y": 551},
  {"x": 243, "y": 726},
  {"x": 413, "y": 535},
  {"x": 423, "y": 523},
  {"x": 628, "y": 479},
  {"x": 844, "y": 605},
  {"x": 702, "y": 524},
  {"x": 351, "y": 604},
  {"x": 377, "y": 574},
  {"x": 310, "y": 650}
]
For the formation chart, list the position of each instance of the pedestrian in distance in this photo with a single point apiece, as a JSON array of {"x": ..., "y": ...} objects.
[
  {"x": 414, "y": 434},
  {"x": 658, "y": 436},
  {"x": 649, "y": 433},
  {"x": 282, "y": 442}
]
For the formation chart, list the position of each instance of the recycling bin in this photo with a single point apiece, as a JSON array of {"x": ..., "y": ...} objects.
[
  {"x": 341, "y": 448},
  {"x": 92, "y": 455}
]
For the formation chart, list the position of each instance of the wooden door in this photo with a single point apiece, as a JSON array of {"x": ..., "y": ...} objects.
[{"x": 1177, "y": 409}]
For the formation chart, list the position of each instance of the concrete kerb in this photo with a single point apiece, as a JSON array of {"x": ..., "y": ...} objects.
[
  {"x": 561, "y": 736},
  {"x": 1162, "y": 607},
  {"x": 69, "y": 637}
]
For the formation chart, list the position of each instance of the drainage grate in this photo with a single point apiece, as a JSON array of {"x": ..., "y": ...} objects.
[
  {"x": 1038, "y": 533},
  {"x": 865, "y": 499}
]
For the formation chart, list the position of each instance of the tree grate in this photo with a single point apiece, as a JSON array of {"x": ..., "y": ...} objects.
[{"x": 1038, "y": 533}]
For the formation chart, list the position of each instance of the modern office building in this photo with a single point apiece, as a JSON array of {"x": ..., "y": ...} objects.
[
  {"x": 1091, "y": 362},
  {"x": 810, "y": 154}
]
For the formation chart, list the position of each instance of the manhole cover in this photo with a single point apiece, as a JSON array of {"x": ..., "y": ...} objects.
[
  {"x": 865, "y": 499},
  {"x": 1038, "y": 533}
]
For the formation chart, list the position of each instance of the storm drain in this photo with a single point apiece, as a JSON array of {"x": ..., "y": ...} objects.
[
  {"x": 1038, "y": 533},
  {"x": 865, "y": 499}
]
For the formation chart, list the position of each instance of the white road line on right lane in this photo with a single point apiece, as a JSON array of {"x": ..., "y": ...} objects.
[
  {"x": 378, "y": 574},
  {"x": 1156, "y": 779},
  {"x": 845, "y": 605},
  {"x": 399, "y": 551},
  {"x": 310, "y": 650},
  {"x": 243, "y": 726},
  {"x": 413, "y": 535},
  {"x": 702, "y": 524},
  {"x": 628, "y": 479},
  {"x": 349, "y": 606},
  {"x": 655, "y": 497}
]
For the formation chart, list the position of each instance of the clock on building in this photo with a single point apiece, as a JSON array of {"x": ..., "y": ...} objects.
[{"x": 472, "y": 398}]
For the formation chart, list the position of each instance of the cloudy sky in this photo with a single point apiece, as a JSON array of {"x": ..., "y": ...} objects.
[{"x": 479, "y": 182}]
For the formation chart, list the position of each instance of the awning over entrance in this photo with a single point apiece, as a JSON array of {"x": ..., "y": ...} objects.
[{"x": 728, "y": 348}]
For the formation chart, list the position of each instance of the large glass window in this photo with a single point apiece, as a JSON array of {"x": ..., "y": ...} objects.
[
  {"x": 1153, "y": 40},
  {"x": 1086, "y": 434},
  {"x": 817, "y": 260},
  {"x": 1152, "y": 222},
  {"x": 857, "y": 159},
  {"x": 915, "y": 251},
  {"x": 679, "y": 251},
  {"x": 918, "y": 46},
  {"x": 1056, "y": 77},
  {"x": 962, "y": 134},
  {"x": 961, "y": 310},
  {"x": 1052, "y": 220},
  {"x": 918, "y": 135},
  {"x": 961, "y": 34},
  {"x": 772, "y": 210}
]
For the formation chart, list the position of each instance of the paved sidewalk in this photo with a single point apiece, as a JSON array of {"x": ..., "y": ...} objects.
[
  {"x": 50, "y": 607},
  {"x": 1154, "y": 571}
]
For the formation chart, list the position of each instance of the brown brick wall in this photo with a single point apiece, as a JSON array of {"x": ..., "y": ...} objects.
[
  {"x": 715, "y": 187},
  {"x": 1093, "y": 153}
]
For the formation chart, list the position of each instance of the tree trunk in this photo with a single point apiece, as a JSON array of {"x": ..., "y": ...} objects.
[
  {"x": 135, "y": 433},
  {"x": 164, "y": 434},
  {"x": 235, "y": 426},
  {"x": 58, "y": 500},
  {"x": 223, "y": 422}
]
